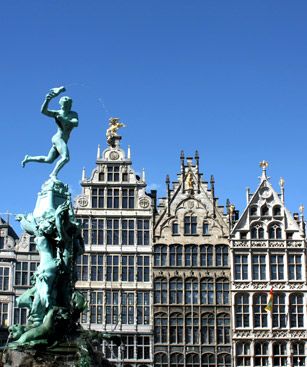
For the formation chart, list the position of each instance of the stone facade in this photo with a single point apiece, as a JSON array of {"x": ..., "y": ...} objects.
[
  {"x": 191, "y": 274},
  {"x": 268, "y": 253}
]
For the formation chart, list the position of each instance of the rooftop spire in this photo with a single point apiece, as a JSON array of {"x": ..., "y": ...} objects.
[
  {"x": 264, "y": 165},
  {"x": 98, "y": 151}
]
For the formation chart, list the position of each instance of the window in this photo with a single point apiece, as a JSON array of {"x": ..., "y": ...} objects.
[
  {"x": 32, "y": 244},
  {"x": 177, "y": 360},
  {"x": 296, "y": 310},
  {"x": 260, "y": 314},
  {"x": 295, "y": 267},
  {"x": 276, "y": 210},
  {"x": 112, "y": 268},
  {"x": 207, "y": 329},
  {"x": 113, "y": 198},
  {"x": 242, "y": 310},
  {"x": 127, "y": 198},
  {"x": 253, "y": 211},
  {"x": 1, "y": 243},
  {"x": 279, "y": 354},
  {"x": 97, "y": 231},
  {"x": 20, "y": 315},
  {"x": 97, "y": 197},
  {"x": 160, "y": 329},
  {"x": 21, "y": 274},
  {"x": 112, "y": 231},
  {"x": 143, "y": 309},
  {"x": 277, "y": 267},
  {"x": 222, "y": 291},
  {"x": 175, "y": 258},
  {"x": 82, "y": 267},
  {"x": 127, "y": 309},
  {"x": 208, "y": 360},
  {"x": 264, "y": 210},
  {"x": 143, "y": 232},
  {"x": 221, "y": 255},
  {"x": 4, "y": 278},
  {"x": 128, "y": 231},
  {"x": 101, "y": 176},
  {"x": 112, "y": 309},
  {"x": 175, "y": 228},
  {"x": 113, "y": 173},
  {"x": 176, "y": 290},
  {"x": 206, "y": 255},
  {"x": 243, "y": 354},
  {"x": 110, "y": 349},
  {"x": 192, "y": 329},
  {"x": 143, "y": 268},
  {"x": 207, "y": 291},
  {"x": 84, "y": 231},
  {"x": 261, "y": 354},
  {"x": 257, "y": 232},
  {"x": 4, "y": 314},
  {"x": 279, "y": 310},
  {"x": 191, "y": 291},
  {"x": 223, "y": 329},
  {"x": 259, "y": 267},
  {"x": 205, "y": 228},
  {"x": 160, "y": 255},
  {"x": 190, "y": 255},
  {"x": 129, "y": 344},
  {"x": 128, "y": 268},
  {"x": 223, "y": 360},
  {"x": 176, "y": 328},
  {"x": 143, "y": 347},
  {"x": 241, "y": 267},
  {"x": 96, "y": 267},
  {"x": 96, "y": 307},
  {"x": 192, "y": 360},
  {"x": 275, "y": 232},
  {"x": 125, "y": 177},
  {"x": 299, "y": 356},
  {"x": 160, "y": 293},
  {"x": 190, "y": 225}
]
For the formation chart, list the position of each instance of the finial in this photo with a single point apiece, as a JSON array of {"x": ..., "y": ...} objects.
[
  {"x": 129, "y": 152},
  {"x": 301, "y": 209},
  {"x": 212, "y": 179},
  {"x": 98, "y": 151},
  {"x": 196, "y": 154},
  {"x": 264, "y": 165},
  {"x": 167, "y": 180},
  {"x": 143, "y": 175},
  {"x": 282, "y": 182},
  {"x": 182, "y": 154},
  {"x": 231, "y": 209},
  {"x": 83, "y": 173}
]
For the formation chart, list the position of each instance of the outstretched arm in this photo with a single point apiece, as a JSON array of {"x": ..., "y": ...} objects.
[{"x": 45, "y": 105}]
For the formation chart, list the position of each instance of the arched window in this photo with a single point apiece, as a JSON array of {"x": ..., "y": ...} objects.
[
  {"x": 222, "y": 291},
  {"x": 175, "y": 228},
  {"x": 243, "y": 354},
  {"x": 160, "y": 329},
  {"x": 208, "y": 360},
  {"x": 161, "y": 360},
  {"x": 260, "y": 314},
  {"x": 279, "y": 310},
  {"x": 160, "y": 291},
  {"x": 299, "y": 356},
  {"x": 175, "y": 296},
  {"x": 257, "y": 232},
  {"x": 190, "y": 225},
  {"x": 276, "y": 210},
  {"x": 264, "y": 210},
  {"x": 206, "y": 255},
  {"x": 191, "y": 255},
  {"x": 279, "y": 354},
  {"x": 207, "y": 328},
  {"x": 177, "y": 360},
  {"x": 274, "y": 232},
  {"x": 191, "y": 291},
  {"x": 221, "y": 258},
  {"x": 296, "y": 310},
  {"x": 242, "y": 310},
  {"x": 207, "y": 291},
  {"x": 176, "y": 328},
  {"x": 101, "y": 176},
  {"x": 223, "y": 360},
  {"x": 192, "y": 360},
  {"x": 175, "y": 255},
  {"x": 253, "y": 211},
  {"x": 160, "y": 255},
  {"x": 192, "y": 328},
  {"x": 261, "y": 354},
  {"x": 223, "y": 329}
]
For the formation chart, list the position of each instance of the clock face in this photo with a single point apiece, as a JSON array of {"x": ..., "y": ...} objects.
[
  {"x": 266, "y": 193},
  {"x": 114, "y": 156}
]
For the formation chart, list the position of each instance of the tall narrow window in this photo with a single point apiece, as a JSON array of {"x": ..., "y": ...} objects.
[
  {"x": 96, "y": 307},
  {"x": 206, "y": 255},
  {"x": 96, "y": 267},
  {"x": 299, "y": 356},
  {"x": 264, "y": 210},
  {"x": 160, "y": 291},
  {"x": 295, "y": 267},
  {"x": 223, "y": 329},
  {"x": 143, "y": 308},
  {"x": 113, "y": 198},
  {"x": 279, "y": 310},
  {"x": 261, "y": 354},
  {"x": 205, "y": 228},
  {"x": 176, "y": 328},
  {"x": 191, "y": 255},
  {"x": 296, "y": 310},
  {"x": 275, "y": 232},
  {"x": 127, "y": 308},
  {"x": 190, "y": 225},
  {"x": 242, "y": 310},
  {"x": 160, "y": 329},
  {"x": 191, "y": 291},
  {"x": 112, "y": 309},
  {"x": 143, "y": 347},
  {"x": 112, "y": 268},
  {"x": 279, "y": 354},
  {"x": 277, "y": 267},
  {"x": 175, "y": 228},
  {"x": 143, "y": 268},
  {"x": 82, "y": 267},
  {"x": 175, "y": 286},
  {"x": 243, "y": 354},
  {"x": 260, "y": 314},
  {"x": 241, "y": 267},
  {"x": 32, "y": 244},
  {"x": 160, "y": 252},
  {"x": 112, "y": 231},
  {"x": 84, "y": 227},
  {"x": 97, "y": 197},
  {"x": 128, "y": 268},
  {"x": 259, "y": 267},
  {"x": 207, "y": 291},
  {"x": 221, "y": 258},
  {"x": 128, "y": 231},
  {"x": 222, "y": 291},
  {"x": 127, "y": 198},
  {"x": 192, "y": 329},
  {"x": 257, "y": 232},
  {"x": 97, "y": 231},
  {"x": 113, "y": 173},
  {"x": 4, "y": 314},
  {"x": 1, "y": 243},
  {"x": 4, "y": 278},
  {"x": 175, "y": 258},
  {"x": 21, "y": 274},
  {"x": 207, "y": 329},
  {"x": 143, "y": 232}
]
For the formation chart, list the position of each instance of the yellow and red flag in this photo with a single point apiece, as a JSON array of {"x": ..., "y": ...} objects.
[{"x": 269, "y": 306}]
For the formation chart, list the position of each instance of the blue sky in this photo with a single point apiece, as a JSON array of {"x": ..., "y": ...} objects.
[{"x": 228, "y": 78}]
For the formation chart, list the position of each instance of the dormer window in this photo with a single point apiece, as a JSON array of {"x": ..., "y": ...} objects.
[
  {"x": 257, "y": 232},
  {"x": 276, "y": 210},
  {"x": 190, "y": 225},
  {"x": 253, "y": 211},
  {"x": 175, "y": 228},
  {"x": 264, "y": 210},
  {"x": 275, "y": 232},
  {"x": 113, "y": 173}
]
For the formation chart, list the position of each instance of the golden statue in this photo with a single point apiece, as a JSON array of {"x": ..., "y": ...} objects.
[
  {"x": 111, "y": 133},
  {"x": 190, "y": 180}
]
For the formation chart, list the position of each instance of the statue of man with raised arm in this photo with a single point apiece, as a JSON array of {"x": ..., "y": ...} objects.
[{"x": 66, "y": 121}]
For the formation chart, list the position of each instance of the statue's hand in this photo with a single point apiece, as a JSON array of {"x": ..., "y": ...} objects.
[{"x": 19, "y": 217}]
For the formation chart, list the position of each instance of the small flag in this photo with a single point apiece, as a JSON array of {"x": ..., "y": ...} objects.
[{"x": 269, "y": 306}]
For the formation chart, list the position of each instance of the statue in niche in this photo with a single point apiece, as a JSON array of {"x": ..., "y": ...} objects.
[
  {"x": 190, "y": 180},
  {"x": 66, "y": 120},
  {"x": 111, "y": 133}
]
